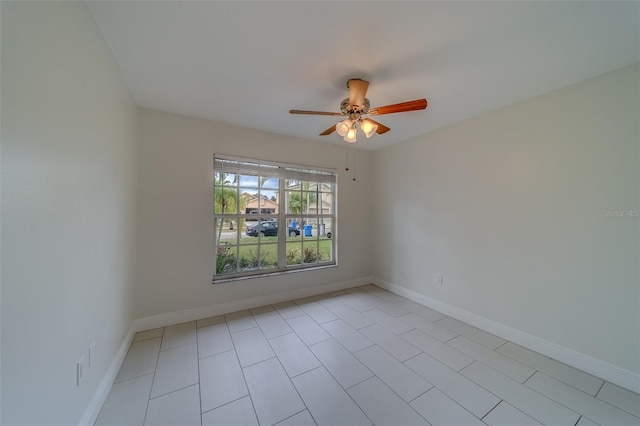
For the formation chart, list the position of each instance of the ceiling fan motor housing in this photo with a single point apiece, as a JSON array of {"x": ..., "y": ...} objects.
[{"x": 348, "y": 109}]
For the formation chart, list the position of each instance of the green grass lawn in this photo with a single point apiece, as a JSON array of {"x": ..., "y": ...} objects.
[{"x": 298, "y": 250}]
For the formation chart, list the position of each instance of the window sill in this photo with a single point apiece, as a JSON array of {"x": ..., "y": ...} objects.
[{"x": 222, "y": 280}]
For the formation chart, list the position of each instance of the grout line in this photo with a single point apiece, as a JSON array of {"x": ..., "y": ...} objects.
[
  {"x": 599, "y": 389},
  {"x": 198, "y": 366},
  {"x": 244, "y": 378},
  {"x": 496, "y": 349},
  {"x": 146, "y": 412},
  {"x": 532, "y": 374},
  {"x": 293, "y": 415}
]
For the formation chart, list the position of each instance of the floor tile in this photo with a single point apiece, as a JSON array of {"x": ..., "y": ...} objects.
[
  {"x": 493, "y": 359},
  {"x": 141, "y": 360},
  {"x": 205, "y": 322},
  {"x": 295, "y": 356},
  {"x": 391, "y": 343},
  {"x": 308, "y": 330},
  {"x": 426, "y": 326},
  {"x": 288, "y": 310},
  {"x": 346, "y": 369},
  {"x": 179, "y": 335},
  {"x": 392, "y": 309},
  {"x": 466, "y": 393},
  {"x": 393, "y": 373},
  {"x": 126, "y": 403},
  {"x": 180, "y": 408},
  {"x": 272, "y": 324},
  {"x": 327, "y": 402},
  {"x": 303, "y": 418},
  {"x": 449, "y": 356},
  {"x": 241, "y": 320},
  {"x": 586, "y": 422},
  {"x": 580, "y": 402},
  {"x": 148, "y": 334},
  {"x": 330, "y": 302},
  {"x": 177, "y": 369},
  {"x": 475, "y": 334},
  {"x": 221, "y": 380},
  {"x": 347, "y": 335},
  {"x": 621, "y": 398},
  {"x": 439, "y": 409},
  {"x": 421, "y": 310},
  {"x": 352, "y": 317},
  {"x": 384, "y": 295},
  {"x": 520, "y": 396},
  {"x": 389, "y": 322},
  {"x": 273, "y": 395},
  {"x": 316, "y": 311},
  {"x": 382, "y": 405},
  {"x": 237, "y": 413},
  {"x": 251, "y": 346},
  {"x": 569, "y": 375},
  {"x": 353, "y": 301},
  {"x": 213, "y": 339},
  {"x": 507, "y": 415}
]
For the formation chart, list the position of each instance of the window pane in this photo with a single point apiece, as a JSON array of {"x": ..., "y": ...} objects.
[
  {"x": 226, "y": 259},
  {"x": 294, "y": 253},
  {"x": 269, "y": 182},
  {"x": 226, "y": 200},
  {"x": 249, "y": 181},
  {"x": 294, "y": 227},
  {"x": 226, "y": 179},
  {"x": 326, "y": 202},
  {"x": 309, "y": 252},
  {"x": 325, "y": 228}
]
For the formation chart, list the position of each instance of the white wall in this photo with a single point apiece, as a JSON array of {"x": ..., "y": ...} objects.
[
  {"x": 68, "y": 210},
  {"x": 510, "y": 208},
  {"x": 175, "y": 204}
]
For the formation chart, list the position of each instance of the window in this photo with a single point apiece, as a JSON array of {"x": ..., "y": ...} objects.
[{"x": 272, "y": 217}]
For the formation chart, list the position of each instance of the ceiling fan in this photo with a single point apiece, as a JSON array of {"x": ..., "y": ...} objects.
[{"x": 356, "y": 107}]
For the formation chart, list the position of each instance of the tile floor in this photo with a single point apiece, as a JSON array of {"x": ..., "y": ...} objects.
[{"x": 354, "y": 357}]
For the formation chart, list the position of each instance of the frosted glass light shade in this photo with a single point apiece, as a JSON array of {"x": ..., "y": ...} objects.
[
  {"x": 351, "y": 135},
  {"x": 343, "y": 127},
  {"x": 368, "y": 128}
]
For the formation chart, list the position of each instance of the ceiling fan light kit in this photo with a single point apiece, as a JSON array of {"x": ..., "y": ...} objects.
[{"x": 355, "y": 107}]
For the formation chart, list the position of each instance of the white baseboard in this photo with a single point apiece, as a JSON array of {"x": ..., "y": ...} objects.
[
  {"x": 100, "y": 396},
  {"x": 602, "y": 369},
  {"x": 178, "y": 317}
]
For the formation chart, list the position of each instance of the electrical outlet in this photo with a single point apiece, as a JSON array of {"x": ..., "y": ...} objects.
[
  {"x": 439, "y": 279},
  {"x": 79, "y": 370},
  {"x": 92, "y": 354},
  {"x": 265, "y": 291}
]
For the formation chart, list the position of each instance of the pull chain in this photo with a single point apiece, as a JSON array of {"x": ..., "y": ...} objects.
[
  {"x": 346, "y": 167},
  {"x": 354, "y": 166}
]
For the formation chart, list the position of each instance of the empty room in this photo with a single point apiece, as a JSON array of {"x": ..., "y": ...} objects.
[{"x": 319, "y": 213}]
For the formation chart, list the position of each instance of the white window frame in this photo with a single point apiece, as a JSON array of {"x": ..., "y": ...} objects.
[{"x": 282, "y": 171}]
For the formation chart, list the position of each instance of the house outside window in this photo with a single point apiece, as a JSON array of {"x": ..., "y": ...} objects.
[{"x": 254, "y": 200}]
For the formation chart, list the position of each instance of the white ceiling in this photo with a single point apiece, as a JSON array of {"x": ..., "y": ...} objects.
[{"x": 248, "y": 63}]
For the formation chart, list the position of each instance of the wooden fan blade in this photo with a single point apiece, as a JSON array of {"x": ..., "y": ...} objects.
[
  {"x": 382, "y": 129},
  {"x": 299, "y": 111},
  {"x": 357, "y": 91},
  {"x": 401, "y": 107},
  {"x": 329, "y": 131}
]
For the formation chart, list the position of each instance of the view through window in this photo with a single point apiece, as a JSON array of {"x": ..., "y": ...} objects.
[{"x": 272, "y": 217}]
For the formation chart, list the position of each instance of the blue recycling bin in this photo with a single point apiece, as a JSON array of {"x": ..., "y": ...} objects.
[{"x": 307, "y": 230}]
